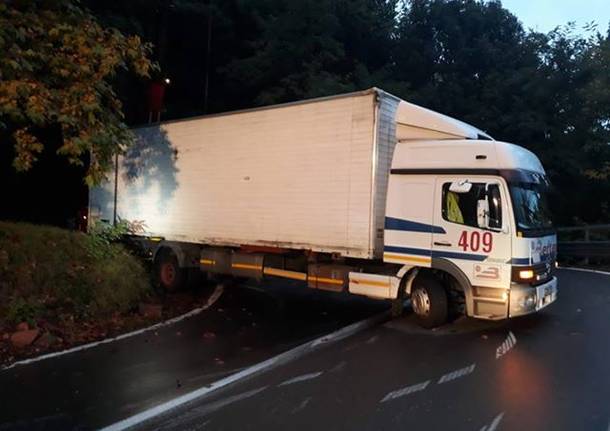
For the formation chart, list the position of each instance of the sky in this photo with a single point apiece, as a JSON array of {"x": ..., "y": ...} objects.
[{"x": 545, "y": 15}]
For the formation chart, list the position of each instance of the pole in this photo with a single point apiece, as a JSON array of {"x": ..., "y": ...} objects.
[{"x": 116, "y": 186}]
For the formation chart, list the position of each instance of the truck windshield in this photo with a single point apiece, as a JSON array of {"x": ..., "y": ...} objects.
[{"x": 531, "y": 209}]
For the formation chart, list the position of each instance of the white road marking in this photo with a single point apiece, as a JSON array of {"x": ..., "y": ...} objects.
[
  {"x": 200, "y": 412},
  {"x": 301, "y": 406},
  {"x": 508, "y": 344},
  {"x": 212, "y": 407},
  {"x": 494, "y": 424},
  {"x": 351, "y": 329},
  {"x": 256, "y": 369},
  {"x": 301, "y": 378},
  {"x": 211, "y": 300},
  {"x": 405, "y": 391},
  {"x": 594, "y": 271},
  {"x": 213, "y": 375},
  {"x": 456, "y": 374}
]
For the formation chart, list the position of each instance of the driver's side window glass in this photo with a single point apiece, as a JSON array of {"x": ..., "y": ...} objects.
[{"x": 461, "y": 208}]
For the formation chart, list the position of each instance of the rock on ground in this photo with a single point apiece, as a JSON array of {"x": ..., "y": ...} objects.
[{"x": 23, "y": 339}]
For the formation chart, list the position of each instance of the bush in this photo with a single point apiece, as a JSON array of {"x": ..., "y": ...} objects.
[
  {"x": 103, "y": 236},
  {"x": 46, "y": 271},
  {"x": 22, "y": 310}
]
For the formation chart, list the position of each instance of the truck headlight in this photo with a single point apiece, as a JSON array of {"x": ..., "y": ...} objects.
[{"x": 526, "y": 274}]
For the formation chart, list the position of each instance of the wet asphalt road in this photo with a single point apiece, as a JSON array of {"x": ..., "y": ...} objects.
[
  {"x": 549, "y": 371},
  {"x": 98, "y": 386}
]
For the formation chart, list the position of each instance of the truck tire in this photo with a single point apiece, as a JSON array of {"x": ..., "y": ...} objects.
[
  {"x": 429, "y": 302},
  {"x": 169, "y": 275}
]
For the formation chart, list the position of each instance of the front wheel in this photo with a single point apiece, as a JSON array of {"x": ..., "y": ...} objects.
[{"x": 429, "y": 302}]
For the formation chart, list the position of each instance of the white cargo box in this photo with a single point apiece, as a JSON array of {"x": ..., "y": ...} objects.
[{"x": 308, "y": 175}]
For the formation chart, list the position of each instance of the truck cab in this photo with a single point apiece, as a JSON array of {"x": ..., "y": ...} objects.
[{"x": 470, "y": 215}]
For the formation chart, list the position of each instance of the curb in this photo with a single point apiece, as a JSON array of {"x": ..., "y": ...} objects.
[
  {"x": 262, "y": 367},
  {"x": 211, "y": 300}
]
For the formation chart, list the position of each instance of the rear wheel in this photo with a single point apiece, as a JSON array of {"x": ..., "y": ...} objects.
[
  {"x": 429, "y": 301},
  {"x": 170, "y": 275}
]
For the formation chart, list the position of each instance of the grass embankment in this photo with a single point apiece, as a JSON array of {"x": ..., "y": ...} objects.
[{"x": 53, "y": 274}]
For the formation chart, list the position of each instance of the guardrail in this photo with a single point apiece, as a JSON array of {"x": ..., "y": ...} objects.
[{"x": 588, "y": 241}]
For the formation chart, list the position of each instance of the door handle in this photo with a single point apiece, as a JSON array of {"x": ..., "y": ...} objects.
[{"x": 443, "y": 244}]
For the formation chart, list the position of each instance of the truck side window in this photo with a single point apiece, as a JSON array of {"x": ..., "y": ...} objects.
[{"x": 461, "y": 208}]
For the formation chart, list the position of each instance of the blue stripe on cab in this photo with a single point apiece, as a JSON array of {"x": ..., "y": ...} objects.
[
  {"x": 457, "y": 255},
  {"x": 392, "y": 223},
  {"x": 407, "y": 250}
]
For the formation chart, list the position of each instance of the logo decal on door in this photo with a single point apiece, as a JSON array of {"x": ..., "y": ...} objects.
[{"x": 487, "y": 272}]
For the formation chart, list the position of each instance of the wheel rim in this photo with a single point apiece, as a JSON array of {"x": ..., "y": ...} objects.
[
  {"x": 421, "y": 302},
  {"x": 168, "y": 273}
]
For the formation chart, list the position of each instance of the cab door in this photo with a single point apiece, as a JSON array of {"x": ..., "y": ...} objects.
[{"x": 473, "y": 214}]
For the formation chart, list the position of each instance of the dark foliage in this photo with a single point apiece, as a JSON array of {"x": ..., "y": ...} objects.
[{"x": 466, "y": 58}]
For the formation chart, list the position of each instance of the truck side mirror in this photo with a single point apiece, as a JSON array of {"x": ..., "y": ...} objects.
[
  {"x": 494, "y": 207},
  {"x": 483, "y": 213},
  {"x": 463, "y": 186}
]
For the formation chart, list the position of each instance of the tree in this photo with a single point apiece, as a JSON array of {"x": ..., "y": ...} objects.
[
  {"x": 471, "y": 59},
  {"x": 308, "y": 48},
  {"x": 295, "y": 54},
  {"x": 575, "y": 106},
  {"x": 57, "y": 64},
  {"x": 451, "y": 53},
  {"x": 547, "y": 92}
]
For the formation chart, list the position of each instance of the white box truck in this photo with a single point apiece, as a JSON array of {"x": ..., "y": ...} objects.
[{"x": 362, "y": 192}]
